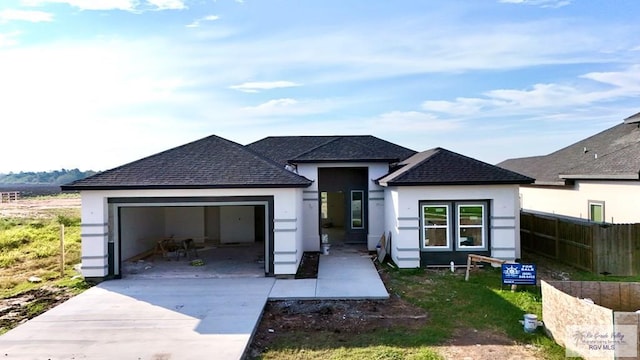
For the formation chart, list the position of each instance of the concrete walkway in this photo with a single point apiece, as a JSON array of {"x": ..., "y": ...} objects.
[
  {"x": 346, "y": 273},
  {"x": 179, "y": 318}
]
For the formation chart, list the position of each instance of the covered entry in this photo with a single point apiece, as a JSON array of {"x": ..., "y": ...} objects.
[
  {"x": 231, "y": 232},
  {"x": 343, "y": 204}
]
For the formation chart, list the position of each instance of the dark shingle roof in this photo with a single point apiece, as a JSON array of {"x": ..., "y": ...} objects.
[
  {"x": 212, "y": 162},
  {"x": 609, "y": 154},
  {"x": 443, "y": 167},
  {"x": 299, "y": 149}
]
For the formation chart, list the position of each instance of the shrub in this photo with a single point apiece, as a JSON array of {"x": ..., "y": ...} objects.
[{"x": 68, "y": 221}]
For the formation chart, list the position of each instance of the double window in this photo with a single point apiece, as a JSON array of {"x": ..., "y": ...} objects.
[{"x": 454, "y": 225}]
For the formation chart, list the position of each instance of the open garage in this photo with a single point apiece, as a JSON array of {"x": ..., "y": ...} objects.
[{"x": 227, "y": 236}]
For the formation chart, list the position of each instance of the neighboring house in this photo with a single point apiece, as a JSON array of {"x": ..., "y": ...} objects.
[
  {"x": 289, "y": 192},
  {"x": 595, "y": 179}
]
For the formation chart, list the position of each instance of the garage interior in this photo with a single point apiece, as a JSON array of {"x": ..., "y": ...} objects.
[{"x": 224, "y": 240}]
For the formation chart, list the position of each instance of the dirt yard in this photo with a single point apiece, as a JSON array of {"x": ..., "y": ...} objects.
[
  {"x": 17, "y": 309},
  {"x": 307, "y": 318},
  {"x": 35, "y": 207}
]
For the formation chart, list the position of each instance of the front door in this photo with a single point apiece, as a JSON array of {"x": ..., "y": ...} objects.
[{"x": 343, "y": 204}]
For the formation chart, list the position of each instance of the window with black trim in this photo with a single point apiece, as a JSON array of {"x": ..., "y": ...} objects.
[
  {"x": 454, "y": 225},
  {"x": 471, "y": 225},
  {"x": 435, "y": 226}
]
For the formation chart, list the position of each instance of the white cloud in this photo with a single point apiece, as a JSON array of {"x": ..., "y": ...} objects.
[
  {"x": 628, "y": 80},
  {"x": 606, "y": 87},
  {"x": 9, "y": 39},
  {"x": 168, "y": 4},
  {"x": 127, "y": 5},
  {"x": 541, "y": 3},
  {"x": 253, "y": 87},
  {"x": 291, "y": 107},
  {"x": 25, "y": 15},
  {"x": 197, "y": 22},
  {"x": 411, "y": 122}
]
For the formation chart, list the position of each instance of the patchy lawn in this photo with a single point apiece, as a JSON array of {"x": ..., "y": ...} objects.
[
  {"x": 30, "y": 248},
  {"x": 432, "y": 314}
]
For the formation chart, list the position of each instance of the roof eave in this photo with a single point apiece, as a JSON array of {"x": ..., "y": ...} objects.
[
  {"x": 439, "y": 183},
  {"x": 389, "y": 161},
  {"x": 173, "y": 187},
  {"x": 601, "y": 176}
]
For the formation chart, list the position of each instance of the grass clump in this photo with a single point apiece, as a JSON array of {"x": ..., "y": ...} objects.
[{"x": 30, "y": 246}]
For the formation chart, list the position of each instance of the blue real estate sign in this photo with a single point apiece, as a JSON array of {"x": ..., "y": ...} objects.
[{"x": 519, "y": 274}]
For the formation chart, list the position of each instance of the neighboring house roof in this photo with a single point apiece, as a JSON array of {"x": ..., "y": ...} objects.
[
  {"x": 611, "y": 154},
  {"x": 443, "y": 167},
  {"x": 301, "y": 149},
  {"x": 212, "y": 162}
]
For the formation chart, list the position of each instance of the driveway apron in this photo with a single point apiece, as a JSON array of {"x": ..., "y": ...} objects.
[{"x": 146, "y": 319}]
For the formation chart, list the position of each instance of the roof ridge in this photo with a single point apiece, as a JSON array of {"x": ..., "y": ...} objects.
[
  {"x": 269, "y": 161},
  {"x": 334, "y": 138}
]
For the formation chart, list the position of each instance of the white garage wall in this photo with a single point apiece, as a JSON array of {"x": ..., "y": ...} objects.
[
  {"x": 96, "y": 227},
  {"x": 95, "y": 233},
  {"x": 404, "y": 222},
  {"x": 620, "y": 198},
  {"x": 142, "y": 227},
  {"x": 185, "y": 222},
  {"x": 237, "y": 224}
]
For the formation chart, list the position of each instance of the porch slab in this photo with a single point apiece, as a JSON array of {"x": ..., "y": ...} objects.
[
  {"x": 288, "y": 289},
  {"x": 346, "y": 273}
]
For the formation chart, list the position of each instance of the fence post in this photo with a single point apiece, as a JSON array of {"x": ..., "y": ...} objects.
[
  {"x": 61, "y": 250},
  {"x": 556, "y": 237}
]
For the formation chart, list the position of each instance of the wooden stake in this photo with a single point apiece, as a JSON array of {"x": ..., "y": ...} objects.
[{"x": 61, "y": 250}]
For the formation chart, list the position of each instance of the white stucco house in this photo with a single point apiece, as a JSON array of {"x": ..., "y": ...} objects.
[
  {"x": 595, "y": 179},
  {"x": 287, "y": 192}
]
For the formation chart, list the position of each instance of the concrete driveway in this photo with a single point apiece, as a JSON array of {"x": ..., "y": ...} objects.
[
  {"x": 180, "y": 317},
  {"x": 146, "y": 319}
]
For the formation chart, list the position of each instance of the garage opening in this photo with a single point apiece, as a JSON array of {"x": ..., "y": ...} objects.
[{"x": 212, "y": 237}]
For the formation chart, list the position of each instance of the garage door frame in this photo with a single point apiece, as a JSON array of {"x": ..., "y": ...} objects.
[{"x": 115, "y": 203}]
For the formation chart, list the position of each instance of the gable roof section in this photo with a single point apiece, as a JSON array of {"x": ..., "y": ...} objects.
[
  {"x": 304, "y": 149},
  {"x": 610, "y": 154},
  {"x": 443, "y": 167},
  {"x": 212, "y": 162}
]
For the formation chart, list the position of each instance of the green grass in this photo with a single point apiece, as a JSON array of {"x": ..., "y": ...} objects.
[
  {"x": 481, "y": 303},
  {"x": 30, "y": 246}
]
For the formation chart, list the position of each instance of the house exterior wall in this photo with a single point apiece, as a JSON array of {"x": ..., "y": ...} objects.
[
  {"x": 402, "y": 218},
  {"x": 620, "y": 199},
  {"x": 99, "y": 225},
  {"x": 311, "y": 202}
]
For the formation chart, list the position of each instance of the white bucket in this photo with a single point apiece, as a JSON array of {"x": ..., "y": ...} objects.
[{"x": 530, "y": 322}]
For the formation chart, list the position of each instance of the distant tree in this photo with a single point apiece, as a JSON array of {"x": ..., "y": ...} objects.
[{"x": 57, "y": 177}]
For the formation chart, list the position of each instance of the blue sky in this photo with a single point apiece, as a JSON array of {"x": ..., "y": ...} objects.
[{"x": 94, "y": 84}]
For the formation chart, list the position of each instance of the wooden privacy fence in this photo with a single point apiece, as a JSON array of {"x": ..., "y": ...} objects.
[{"x": 599, "y": 248}]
